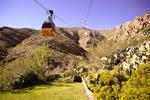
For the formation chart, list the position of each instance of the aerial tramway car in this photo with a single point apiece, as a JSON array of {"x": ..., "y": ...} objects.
[{"x": 48, "y": 27}]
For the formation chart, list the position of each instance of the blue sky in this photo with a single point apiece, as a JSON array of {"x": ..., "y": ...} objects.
[{"x": 103, "y": 15}]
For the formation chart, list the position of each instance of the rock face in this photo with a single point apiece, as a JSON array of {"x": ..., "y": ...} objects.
[
  {"x": 133, "y": 27},
  {"x": 68, "y": 46},
  {"x": 89, "y": 38},
  {"x": 86, "y": 38}
]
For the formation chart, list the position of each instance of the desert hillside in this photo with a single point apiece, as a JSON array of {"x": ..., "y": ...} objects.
[
  {"x": 112, "y": 64},
  {"x": 67, "y": 43},
  {"x": 10, "y": 37}
]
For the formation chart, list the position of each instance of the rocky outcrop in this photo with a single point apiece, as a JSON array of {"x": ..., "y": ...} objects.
[
  {"x": 86, "y": 38},
  {"x": 133, "y": 27},
  {"x": 89, "y": 38}
]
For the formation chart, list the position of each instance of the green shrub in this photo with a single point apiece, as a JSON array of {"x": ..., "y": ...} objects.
[
  {"x": 65, "y": 79},
  {"x": 68, "y": 73},
  {"x": 27, "y": 80},
  {"x": 138, "y": 86},
  {"x": 81, "y": 70},
  {"x": 21, "y": 72},
  {"x": 52, "y": 77},
  {"x": 107, "y": 84}
]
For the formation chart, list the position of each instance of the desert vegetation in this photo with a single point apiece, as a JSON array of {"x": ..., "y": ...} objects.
[
  {"x": 27, "y": 71},
  {"x": 114, "y": 68}
]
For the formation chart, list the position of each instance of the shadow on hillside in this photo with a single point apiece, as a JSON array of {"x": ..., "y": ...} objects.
[{"x": 70, "y": 48}]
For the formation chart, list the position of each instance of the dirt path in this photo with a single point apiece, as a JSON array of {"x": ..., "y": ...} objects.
[{"x": 88, "y": 92}]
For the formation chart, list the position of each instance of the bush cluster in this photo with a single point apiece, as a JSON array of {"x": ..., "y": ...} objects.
[
  {"x": 27, "y": 71},
  {"x": 113, "y": 85}
]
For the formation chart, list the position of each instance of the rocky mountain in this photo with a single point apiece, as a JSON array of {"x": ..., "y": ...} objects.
[
  {"x": 128, "y": 29},
  {"x": 68, "y": 46},
  {"x": 83, "y": 36},
  {"x": 68, "y": 43},
  {"x": 135, "y": 27},
  {"x": 10, "y": 37}
]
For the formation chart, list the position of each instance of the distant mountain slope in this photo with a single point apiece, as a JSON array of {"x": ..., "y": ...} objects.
[
  {"x": 71, "y": 43},
  {"x": 59, "y": 43},
  {"x": 108, "y": 33},
  {"x": 67, "y": 46},
  {"x": 10, "y": 37},
  {"x": 86, "y": 38}
]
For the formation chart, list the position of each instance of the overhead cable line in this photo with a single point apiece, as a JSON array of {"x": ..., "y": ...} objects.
[
  {"x": 86, "y": 22},
  {"x": 63, "y": 20},
  {"x": 45, "y": 8},
  {"x": 89, "y": 9},
  {"x": 41, "y": 5}
]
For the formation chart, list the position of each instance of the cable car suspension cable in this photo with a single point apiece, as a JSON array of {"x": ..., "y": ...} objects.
[
  {"x": 89, "y": 9},
  {"x": 55, "y": 15},
  {"x": 88, "y": 13}
]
